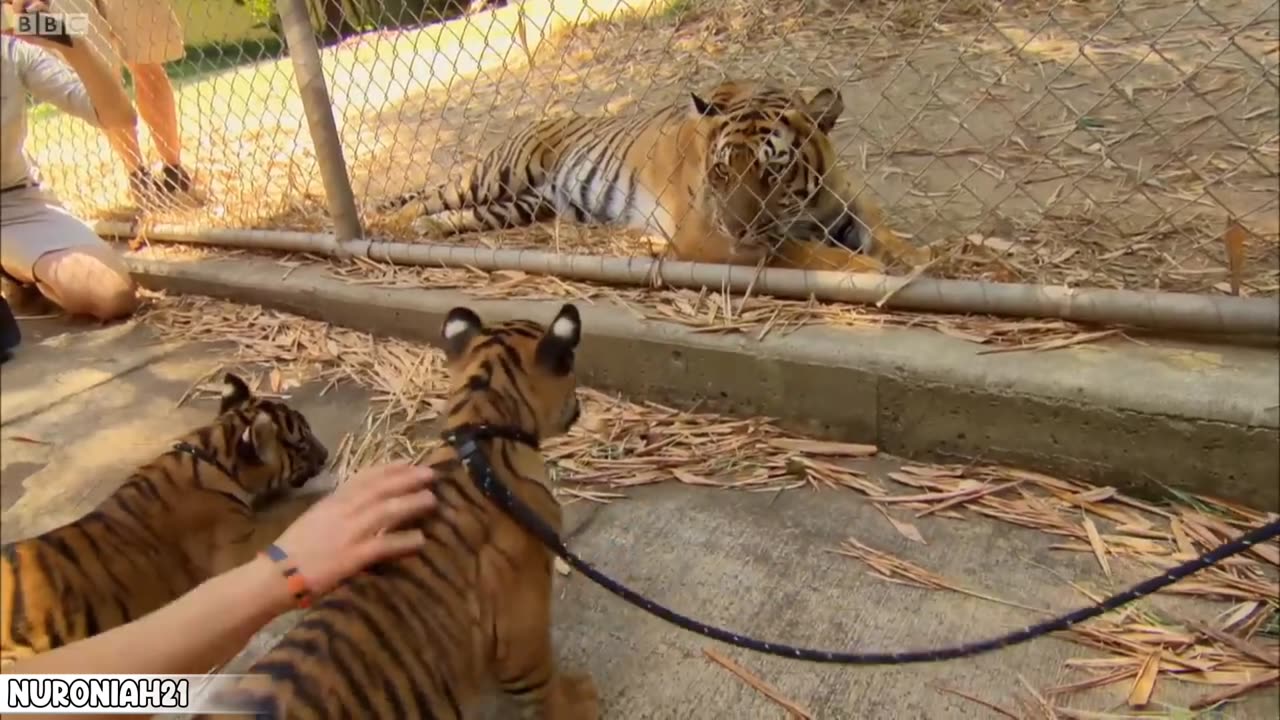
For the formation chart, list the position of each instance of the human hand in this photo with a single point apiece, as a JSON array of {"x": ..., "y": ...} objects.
[
  {"x": 28, "y": 6},
  {"x": 347, "y": 531},
  {"x": 61, "y": 45}
]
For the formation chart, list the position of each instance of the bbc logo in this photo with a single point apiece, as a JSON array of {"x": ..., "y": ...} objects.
[{"x": 53, "y": 24}]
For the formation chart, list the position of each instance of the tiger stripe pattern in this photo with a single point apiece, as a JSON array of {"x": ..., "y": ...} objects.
[
  {"x": 176, "y": 521},
  {"x": 746, "y": 173},
  {"x": 423, "y": 636}
]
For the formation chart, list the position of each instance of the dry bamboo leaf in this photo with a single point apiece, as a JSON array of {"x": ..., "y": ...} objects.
[
  {"x": 934, "y": 472},
  {"x": 1266, "y": 657},
  {"x": 758, "y": 684},
  {"x": 1233, "y": 239},
  {"x": 1095, "y": 495},
  {"x": 914, "y": 481},
  {"x": 1056, "y": 344},
  {"x": 1045, "y": 707},
  {"x": 989, "y": 705},
  {"x": 689, "y": 478},
  {"x": 1040, "y": 479},
  {"x": 1116, "y": 676},
  {"x": 1180, "y": 537},
  {"x": 1238, "y": 613},
  {"x": 25, "y": 439},
  {"x": 819, "y": 447},
  {"x": 967, "y": 487},
  {"x": 1267, "y": 552},
  {"x": 974, "y": 495},
  {"x": 561, "y": 566},
  {"x": 1224, "y": 678},
  {"x": 1145, "y": 684},
  {"x": 1234, "y": 692},
  {"x": 891, "y": 567},
  {"x": 904, "y": 528}
]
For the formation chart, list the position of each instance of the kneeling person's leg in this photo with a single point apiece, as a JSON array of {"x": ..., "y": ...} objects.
[
  {"x": 44, "y": 244},
  {"x": 88, "y": 280}
]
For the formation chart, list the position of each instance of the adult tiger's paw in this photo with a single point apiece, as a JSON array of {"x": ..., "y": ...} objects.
[{"x": 427, "y": 226}]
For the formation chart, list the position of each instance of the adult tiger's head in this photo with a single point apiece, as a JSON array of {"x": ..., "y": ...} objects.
[
  {"x": 267, "y": 445},
  {"x": 772, "y": 169},
  {"x": 515, "y": 371}
]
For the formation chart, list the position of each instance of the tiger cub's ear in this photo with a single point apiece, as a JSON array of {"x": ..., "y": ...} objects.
[
  {"x": 460, "y": 325},
  {"x": 555, "y": 349},
  {"x": 235, "y": 392},
  {"x": 260, "y": 441}
]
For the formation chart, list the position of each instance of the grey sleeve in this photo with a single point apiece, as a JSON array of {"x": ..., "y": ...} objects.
[{"x": 50, "y": 80}]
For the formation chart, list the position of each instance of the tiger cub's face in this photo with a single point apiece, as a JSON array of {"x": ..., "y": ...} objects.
[
  {"x": 527, "y": 363},
  {"x": 772, "y": 167},
  {"x": 273, "y": 446}
]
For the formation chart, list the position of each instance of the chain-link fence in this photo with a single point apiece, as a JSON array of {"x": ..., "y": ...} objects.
[{"x": 1087, "y": 143}]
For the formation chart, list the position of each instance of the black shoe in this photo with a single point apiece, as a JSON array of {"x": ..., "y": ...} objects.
[
  {"x": 175, "y": 179},
  {"x": 10, "y": 333},
  {"x": 144, "y": 189}
]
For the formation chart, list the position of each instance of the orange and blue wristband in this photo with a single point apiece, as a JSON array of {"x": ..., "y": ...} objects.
[{"x": 297, "y": 584}]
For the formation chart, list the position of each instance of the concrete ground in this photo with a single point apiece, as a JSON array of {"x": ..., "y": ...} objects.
[{"x": 82, "y": 406}]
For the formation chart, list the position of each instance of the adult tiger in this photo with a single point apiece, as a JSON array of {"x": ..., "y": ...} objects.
[
  {"x": 725, "y": 179},
  {"x": 178, "y": 520},
  {"x": 424, "y": 635}
]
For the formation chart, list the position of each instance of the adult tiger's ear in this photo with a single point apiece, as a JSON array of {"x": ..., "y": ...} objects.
[
  {"x": 702, "y": 108},
  {"x": 460, "y": 325},
  {"x": 825, "y": 108},
  {"x": 235, "y": 392},
  {"x": 555, "y": 349},
  {"x": 260, "y": 442}
]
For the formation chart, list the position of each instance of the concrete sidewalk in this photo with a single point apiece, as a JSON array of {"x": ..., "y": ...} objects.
[
  {"x": 1137, "y": 416},
  {"x": 80, "y": 409}
]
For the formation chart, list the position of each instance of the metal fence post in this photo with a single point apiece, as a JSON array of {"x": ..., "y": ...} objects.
[{"x": 305, "y": 56}]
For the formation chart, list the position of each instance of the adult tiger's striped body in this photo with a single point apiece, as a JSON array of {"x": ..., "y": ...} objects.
[
  {"x": 424, "y": 635},
  {"x": 185, "y": 516},
  {"x": 723, "y": 179}
]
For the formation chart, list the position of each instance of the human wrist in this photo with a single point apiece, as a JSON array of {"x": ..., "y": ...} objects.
[{"x": 268, "y": 586}]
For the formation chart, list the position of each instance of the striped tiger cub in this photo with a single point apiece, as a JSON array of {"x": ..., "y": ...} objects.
[
  {"x": 743, "y": 173},
  {"x": 424, "y": 636},
  {"x": 178, "y": 520}
]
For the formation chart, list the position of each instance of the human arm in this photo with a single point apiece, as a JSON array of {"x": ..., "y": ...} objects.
[
  {"x": 82, "y": 84},
  {"x": 335, "y": 538}
]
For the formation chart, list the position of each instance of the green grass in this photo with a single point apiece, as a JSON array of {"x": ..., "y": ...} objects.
[
  {"x": 205, "y": 60},
  {"x": 676, "y": 8},
  {"x": 199, "y": 63},
  {"x": 1272, "y": 626}
]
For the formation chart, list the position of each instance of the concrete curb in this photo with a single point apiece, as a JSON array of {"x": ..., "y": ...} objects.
[{"x": 1195, "y": 417}]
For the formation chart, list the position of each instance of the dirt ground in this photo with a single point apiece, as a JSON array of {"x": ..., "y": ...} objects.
[
  {"x": 1084, "y": 152},
  {"x": 1095, "y": 144}
]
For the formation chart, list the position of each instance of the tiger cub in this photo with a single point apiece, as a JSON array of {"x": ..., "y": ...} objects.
[
  {"x": 425, "y": 635},
  {"x": 178, "y": 520}
]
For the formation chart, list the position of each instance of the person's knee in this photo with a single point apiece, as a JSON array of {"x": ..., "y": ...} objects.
[
  {"x": 110, "y": 298},
  {"x": 117, "y": 299},
  {"x": 89, "y": 281}
]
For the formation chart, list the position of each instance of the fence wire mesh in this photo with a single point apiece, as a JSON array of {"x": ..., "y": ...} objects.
[{"x": 1088, "y": 143}]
